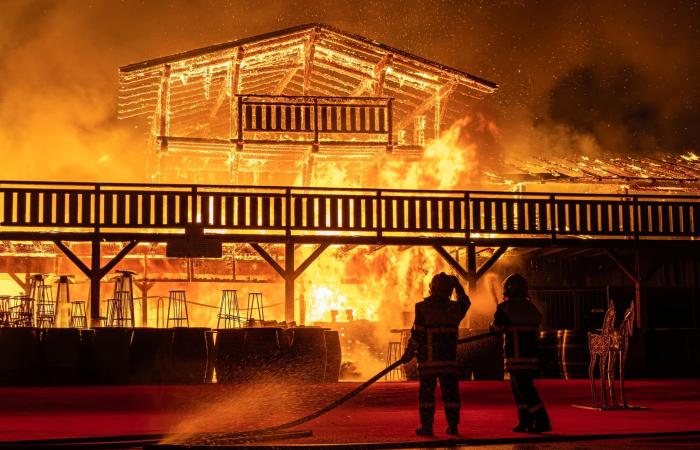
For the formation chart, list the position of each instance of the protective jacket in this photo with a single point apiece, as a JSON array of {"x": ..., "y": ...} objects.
[
  {"x": 434, "y": 333},
  {"x": 520, "y": 345}
]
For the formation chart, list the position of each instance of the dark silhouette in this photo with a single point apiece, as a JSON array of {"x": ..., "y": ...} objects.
[
  {"x": 434, "y": 342},
  {"x": 521, "y": 319}
]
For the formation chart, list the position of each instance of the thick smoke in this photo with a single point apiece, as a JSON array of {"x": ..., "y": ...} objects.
[{"x": 588, "y": 75}]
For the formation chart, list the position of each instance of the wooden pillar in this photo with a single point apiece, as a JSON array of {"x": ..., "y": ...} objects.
[
  {"x": 471, "y": 267},
  {"x": 289, "y": 281},
  {"x": 309, "y": 50},
  {"x": 163, "y": 120},
  {"x": 95, "y": 277}
]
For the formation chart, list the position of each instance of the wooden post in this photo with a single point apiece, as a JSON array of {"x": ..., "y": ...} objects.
[
  {"x": 640, "y": 303},
  {"x": 471, "y": 266},
  {"x": 95, "y": 277},
  {"x": 289, "y": 281},
  {"x": 309, "y": 50},
  {"x": 164, "y": 120}
]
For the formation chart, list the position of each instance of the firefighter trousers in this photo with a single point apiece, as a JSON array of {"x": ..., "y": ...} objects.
[
  {"x": 449, "y": 386},
  {"x": 527, "y": 399}
]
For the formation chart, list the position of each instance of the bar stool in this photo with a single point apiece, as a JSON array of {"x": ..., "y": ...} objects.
[
  {"x": 4, "y": 310},
  {"x": 22, "y": 313},
  {"x": 255, "y": 304},
  {"x": 392, "y": 355},
  {"x": 45, "y": 307},
  {"x": 35, "y": 283},
  {"x": 78, "y": 316},
  {"x": 228, "y": 310},
  {"x": 120, "y": 310},
  {"x": 177, "y": 309},
  {"x": 124, "y": 290}
]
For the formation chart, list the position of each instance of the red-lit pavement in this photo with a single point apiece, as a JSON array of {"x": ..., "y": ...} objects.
[{"x": 386, "y": 412}]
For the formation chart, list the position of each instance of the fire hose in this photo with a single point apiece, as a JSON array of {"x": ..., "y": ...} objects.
[{"x": 334, "y": 404}]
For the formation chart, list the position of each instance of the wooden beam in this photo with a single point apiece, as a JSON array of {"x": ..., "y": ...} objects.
[
  {"x": 309, "y": 50},
  {"x": 66, "y": 251},
  {"x": 441, "y": 108},
  {"x": 117, "y": 258},
  {"x": 270, "y": 260},
  {"x": 281, "y": 86},
  {"x": 363, "y": 86},
  {"x": 380, "y": 74},
  {"x": 427, "y": 104},
  {"x": 452, "y": 262},
  {"x": 621, "y": 265},
  {"x": 233, "y": 78},
  {"x": 307, "y": 262},
  {"x": 490, "y": 262}
]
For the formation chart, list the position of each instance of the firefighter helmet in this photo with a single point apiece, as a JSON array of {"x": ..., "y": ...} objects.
[
  {"x": 515, "y": 286},
  {"x": 441, "y": 284}
]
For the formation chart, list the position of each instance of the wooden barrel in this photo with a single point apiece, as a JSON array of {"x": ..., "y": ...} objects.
[
  {"x": 246, "y": 354},
  {"x": 188, "y": 364},
  {"x": 151, "y": 353},
  {"x": 306, "y": 361},
  {"x": 211, "y": 356},
  {"x": 112, "y": 355},
  {"x": 572, "y": 347},
  {"x": 333, "y": 356},
  {"x": 229, "y": 354},
  {"x": 20, "y": 356},
  {"x": 62, "y": 351},
  {"x": 548, "y": 355}
]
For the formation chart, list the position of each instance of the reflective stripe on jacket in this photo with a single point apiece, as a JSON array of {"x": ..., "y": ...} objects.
[
  {"x": 434, "y": 333},
  {"x": 520, "y": 344}
]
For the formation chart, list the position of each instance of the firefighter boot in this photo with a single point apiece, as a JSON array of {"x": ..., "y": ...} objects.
[
  {"x": 452, "y": 421},
  {"x": 425, "y": 430},
  {"x": 540, "y": 421},
  {"x": 524, "y": 421}
]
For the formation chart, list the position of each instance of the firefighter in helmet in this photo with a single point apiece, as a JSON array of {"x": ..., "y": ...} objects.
[
  {"x": 434, "y": 341},
  {"x": 520, "y": 319}
]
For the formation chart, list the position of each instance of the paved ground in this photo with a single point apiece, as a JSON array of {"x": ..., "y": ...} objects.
[{"x": 385, "y": 413}]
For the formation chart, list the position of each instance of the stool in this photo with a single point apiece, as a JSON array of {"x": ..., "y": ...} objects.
[
  {"x": 22, "y": 313},
  {"x": 255, "y": 303},
  {"x": 78, "y": 316},
  {"x": 177, "y": 309},
  {"x": 4, "y": 310},
  {"x": 45, "y": 307},
  {"x": 392, "y": 355},
  {"x": 120, "y": 310},
  {"x": 228, "y": 310}
]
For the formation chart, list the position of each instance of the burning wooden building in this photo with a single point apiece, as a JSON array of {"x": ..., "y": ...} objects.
[{"x": 272, "y": 109}]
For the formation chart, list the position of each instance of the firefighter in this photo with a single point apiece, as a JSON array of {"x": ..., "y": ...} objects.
[
  {"x": 434, "y": 341},
  {"x": 520, "y": 320}
]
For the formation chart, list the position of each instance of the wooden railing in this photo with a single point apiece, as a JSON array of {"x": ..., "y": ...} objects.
[
  {"x": 287, "y": 211},
  {"x": 315, "y": 119}
]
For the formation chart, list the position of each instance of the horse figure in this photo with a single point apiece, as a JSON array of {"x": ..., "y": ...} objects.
[
  {"x": 620, "y": 345},
  {"x": 599, "y": 346}
]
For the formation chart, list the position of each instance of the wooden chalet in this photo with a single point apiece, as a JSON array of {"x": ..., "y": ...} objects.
[{"x": 267, "y": 109}]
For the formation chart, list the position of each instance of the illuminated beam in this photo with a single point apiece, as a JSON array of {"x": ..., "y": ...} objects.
[
  {"x": 376, "y": 83},
  {"x": 427, "y": 104},
  {"x": 233, "y": 78},
  {"x": 441, "y": 107},
  {"x": 309, "y": 50},
  {"x": 282, "y": 85}
]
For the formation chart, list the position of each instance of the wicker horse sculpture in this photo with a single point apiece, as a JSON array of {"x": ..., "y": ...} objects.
[
  {"x": 608, "y": 349},
  {"x": 599, "y": 347}
]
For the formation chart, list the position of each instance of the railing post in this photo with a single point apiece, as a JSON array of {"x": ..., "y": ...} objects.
[
  {"x": 467, "y": 217},
  {"x": 288, "y": 210},
  {"x": 636, "y": 220},
  {"x": 315, "y": 144},
  {"x": 239, "y": 126},
  {"x": 195, "y": 206},
  {"x": 389, "y": 143},
  {"x": 379, "y": 214},
  {"x": 553, "y": 217}
]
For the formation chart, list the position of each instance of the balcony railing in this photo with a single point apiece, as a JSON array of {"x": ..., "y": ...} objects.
[{"x": 278, "y": 213}]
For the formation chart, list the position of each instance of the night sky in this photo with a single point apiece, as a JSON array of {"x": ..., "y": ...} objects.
[{"x": 595, "y": 76}]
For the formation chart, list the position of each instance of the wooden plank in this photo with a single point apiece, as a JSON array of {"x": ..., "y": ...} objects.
[
  {"x": 334, "y": 211},
  {"x": 583, "y": 217},
  {"x": 387, "y": 205},
  {"x": 310, "y": 212},
  {"x": 322, "y": 210},
  {"x": 615, "y": 216},
  {"x": 498, "y": 205},
  {"x": 298, "y": 211},
  {"x": 696, "y": 219},
  {"x": 241, "y": 209},
  {"x": 571, "y": 220},
  {"x": 265, "y": 213},
  {"x": 171, "y": 206},
  {"x": 357, "y": 212},
  {"x": 411, "y": 225},
  {"x": 47, "y": 206},
  {"x": 675, "y": 213},
  {"x": 522, "y": 219},
  {"x": 334, "y": 118},
  {"x": 422, "y": 214},
  {"x": 458, "y": 224},
  {"x": 146, "y": 218},
  {"x": 685, "y": 219},
  {"x": 371, "y": 218},
  {"x": 531, "y": 215},
  {"x": 434, "y": 208},
  {"x": 445, "y": 214},
  {"x": 345, "y": 213},
  {"x": 184, "y": 208},
  {"x": 107, "y": 210},
  {"x": 560, "y": 216},
  {"x": 476, "y": 215},
  {"x": 22, "y": 206},
  {"x": 33, "y": 207},
  {"x": 253, "y": 207},
  {"x": 605, "y": 218},
  {"x": 542, "y": 217},
  {"x": 86, "y": 200},
  {"x": 121, "y": 208},
  {"x": 400, "y": 213},
  {"x": 217, "y": 218},
  {"x": 158, "y": 204},
  {"x": 626, "y": 219},
  {"x": 488, "y": 215},
  {"x": 277, "y": 212}
]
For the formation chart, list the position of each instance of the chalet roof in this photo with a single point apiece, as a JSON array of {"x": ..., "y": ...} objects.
[{"x": 328, "y": 32}]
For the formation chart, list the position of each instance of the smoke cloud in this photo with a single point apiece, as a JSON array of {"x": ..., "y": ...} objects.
[{"x": 594, "y": 75}]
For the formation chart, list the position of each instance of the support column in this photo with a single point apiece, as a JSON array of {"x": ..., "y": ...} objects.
[
  {"x": 471, "y": 267},
  {"x": 289, "y": 282},
  {"x": 95, "y": 277}
]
